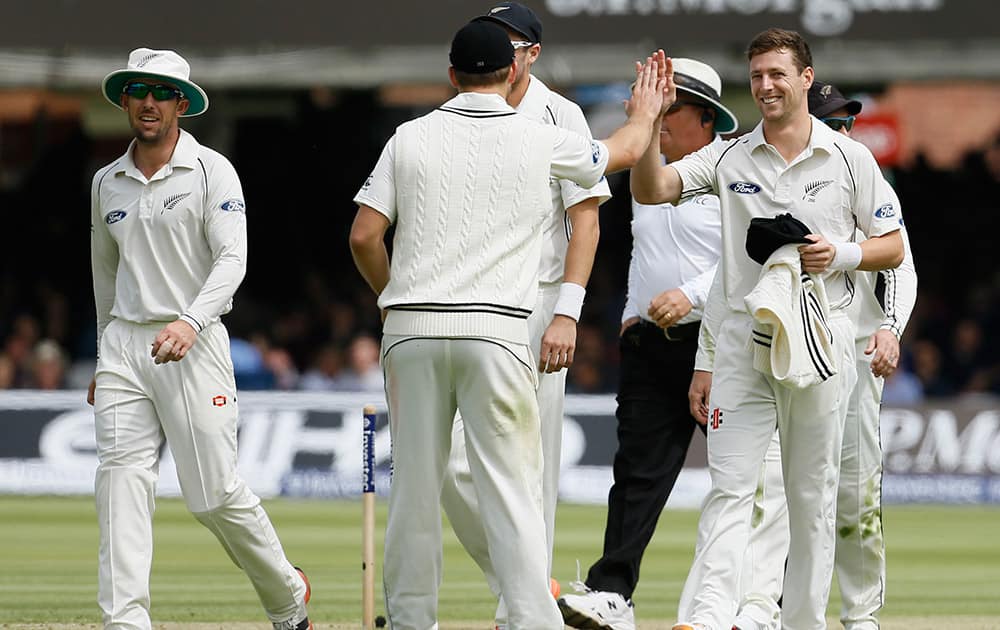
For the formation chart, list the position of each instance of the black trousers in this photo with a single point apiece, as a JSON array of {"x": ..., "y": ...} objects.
[{"x": 654, "y": 431}]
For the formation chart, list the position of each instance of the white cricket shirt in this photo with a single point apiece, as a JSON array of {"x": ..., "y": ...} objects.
[
  {"x": 172, "y": 246},
  {"x": 547, "y": 107},
  {"x": 833, "y": 186},
  {"x": 467, "y": 186}
]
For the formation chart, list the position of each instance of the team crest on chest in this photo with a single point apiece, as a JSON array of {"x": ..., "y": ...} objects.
[
  {"x": 173, "y": 200},
  {"x": 813, "y": 188}
]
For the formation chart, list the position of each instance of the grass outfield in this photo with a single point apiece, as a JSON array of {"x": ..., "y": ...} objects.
[{"x": 944, "y": 562}]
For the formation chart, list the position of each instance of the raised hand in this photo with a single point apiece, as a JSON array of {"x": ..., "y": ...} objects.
[
  {"x": 665, "y": 72},
  {"x": 647, "y": 91}
]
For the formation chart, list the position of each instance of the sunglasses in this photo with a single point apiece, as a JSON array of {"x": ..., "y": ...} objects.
[
  {"x": 521, "y": 44},
  {"x": 159, "y": 91},
  {"x": 836, "y": 122}
]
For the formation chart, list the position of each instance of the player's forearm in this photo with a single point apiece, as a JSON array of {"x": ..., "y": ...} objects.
[
  {"x": 882, "y": 252},
  {"x": 652, "y": 182},
  {"x": 220, "y": 286},
  {"x": 900, "y": 293},
  {"x": 583, "y": 241},
  {"x": 104, "y": 267},
  {"x": 711, "y": 322},
  {"x": 368, "y": 247},
  {"x": 372, "y": 260},
  {"x": 628, "y": 143}
]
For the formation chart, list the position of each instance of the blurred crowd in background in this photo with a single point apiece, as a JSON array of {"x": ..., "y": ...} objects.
[{"x": 304, "y": 319}]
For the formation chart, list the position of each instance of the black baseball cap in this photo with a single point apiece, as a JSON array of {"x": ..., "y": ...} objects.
[
  {"x": 481, "y": 47},
  {"x": 518, "y": 17},
  {"x": 825, "y": 98},
  {"x": 765, "y": 236}
]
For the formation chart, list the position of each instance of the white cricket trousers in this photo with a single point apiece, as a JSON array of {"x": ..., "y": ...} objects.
[
  {"x": 762, "y": 578},
  {"x": 458, "y": 496},
  {"x": 860, "y": 549},
  {"x": 191, "y": 403},
  {"x": 860, "y": 557},
  {"x": 492, "y": 383},
  {"x": 810, "y": 425}
]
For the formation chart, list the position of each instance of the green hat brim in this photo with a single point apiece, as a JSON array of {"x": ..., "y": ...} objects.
[{"x": 115, "y": 82}]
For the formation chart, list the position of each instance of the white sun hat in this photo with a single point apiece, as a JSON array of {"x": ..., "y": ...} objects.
[
  {"x": 156, "y": 64},
  {"x": 701, "y": 80}
]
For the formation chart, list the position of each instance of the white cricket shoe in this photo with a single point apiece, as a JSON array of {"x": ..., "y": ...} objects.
[{"x": 596, "y": 610}]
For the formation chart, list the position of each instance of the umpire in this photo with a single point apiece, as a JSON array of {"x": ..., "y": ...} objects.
[{"x": 674, "y": 256}]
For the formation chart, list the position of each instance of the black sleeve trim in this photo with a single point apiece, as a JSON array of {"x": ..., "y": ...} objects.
[{"x": 194, "y": 321}]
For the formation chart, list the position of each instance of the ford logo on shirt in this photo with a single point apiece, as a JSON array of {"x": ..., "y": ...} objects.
[
  {"x": 233, "y": 205},
  {"x": 744, "y": 188},
  {"x": 885, "y": 211},
  {"x": 114, "y": 216}
]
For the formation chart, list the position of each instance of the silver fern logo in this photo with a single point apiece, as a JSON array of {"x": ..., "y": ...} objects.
[
  {"x": 813, "y": 188},
  {"x": 173, "y": 200},
  {"x": 151, "y": 56}
]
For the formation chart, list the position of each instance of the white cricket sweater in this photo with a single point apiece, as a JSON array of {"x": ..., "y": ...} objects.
[
  {"x": 468, "y": 189},
  {"x": 791, "y": 337}
]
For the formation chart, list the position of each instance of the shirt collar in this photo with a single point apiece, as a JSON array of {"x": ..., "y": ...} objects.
[
  {"x": 479, "y": 102},
  {"x": 821, "y": 137},
  {"x": 535, "y": 100},
  {"x": 185, "y": 155}
]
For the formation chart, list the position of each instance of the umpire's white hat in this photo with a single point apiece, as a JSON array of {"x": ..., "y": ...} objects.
[
  {"x": 157, "y": 64},
  {"x": 701, "y": 80}
]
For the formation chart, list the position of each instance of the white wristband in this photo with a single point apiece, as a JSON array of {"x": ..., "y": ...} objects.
[
  {"x": 847, "y": 257},
  {"x": 570, "y": 301}
]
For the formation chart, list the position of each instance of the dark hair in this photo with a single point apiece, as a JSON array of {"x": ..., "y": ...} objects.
[
  {"x": 781, "y": 39},
  {"x": 468, "y": 79}
]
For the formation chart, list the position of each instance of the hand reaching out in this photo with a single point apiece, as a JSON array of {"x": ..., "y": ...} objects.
[{"x": 649, "y": 88}]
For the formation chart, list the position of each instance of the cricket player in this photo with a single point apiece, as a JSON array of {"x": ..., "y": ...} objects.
[
  {"x": 570, "y": 236},
  {"x": 882, "y": 305},
  {"x": 832, "y": 184},
  {"x": 467, "y": 187},
  {"x": 169, "y": 246}
]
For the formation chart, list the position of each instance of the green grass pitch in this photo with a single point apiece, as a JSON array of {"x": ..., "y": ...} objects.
[{"x": 944, "y": 562}]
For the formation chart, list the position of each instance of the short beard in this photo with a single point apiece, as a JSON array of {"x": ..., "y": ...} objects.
[
  {"x": 144, "y": 137},
  {"x": 153, "y": 138}
]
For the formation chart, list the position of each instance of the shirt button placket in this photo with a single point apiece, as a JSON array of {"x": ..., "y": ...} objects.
[{"x": 146, "y": 201}]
